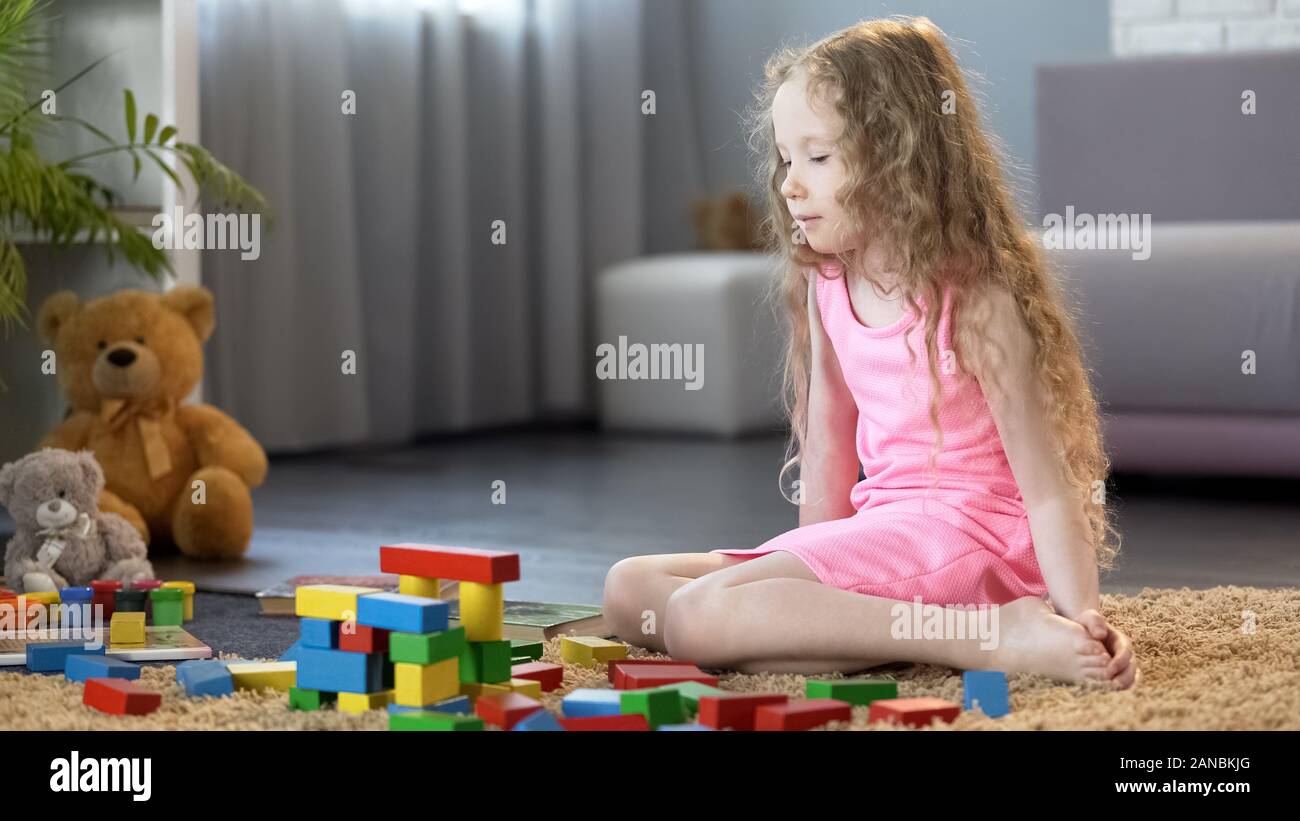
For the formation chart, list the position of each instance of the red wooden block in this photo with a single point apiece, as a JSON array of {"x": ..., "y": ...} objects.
[
  {"x": 550, "y": 675},
  {"x": 629, "y": 721},
  {"x": 639, "y": 676},
  {"x": 734, "y": 711},
  {"x": 120, "y": 697},
  {"x": 801, "y": 715},
  {"x": 466, "y": 564},
  {"x": 364, "y": 640},
  {"x": 614, "y": 664},
  {"x": 914, "y": 712},
  {"x": 505, "y": 709}
]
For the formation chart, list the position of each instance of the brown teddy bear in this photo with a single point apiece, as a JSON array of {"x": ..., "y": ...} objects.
[
  {"x": 62, "y": 540},
  {"x": 180, "y": 474}
]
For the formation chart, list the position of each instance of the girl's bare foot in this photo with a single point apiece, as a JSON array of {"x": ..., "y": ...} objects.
[{"x": 1033, "y": 639}]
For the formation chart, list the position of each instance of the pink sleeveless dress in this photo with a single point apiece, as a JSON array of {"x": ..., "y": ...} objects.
[{"x": 956, "y": 536}]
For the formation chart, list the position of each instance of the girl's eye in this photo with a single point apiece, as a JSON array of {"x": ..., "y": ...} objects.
[{"x": 820, "y": 160}]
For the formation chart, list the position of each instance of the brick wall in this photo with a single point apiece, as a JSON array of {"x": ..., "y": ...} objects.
[{"x": 1198, "y": 26}]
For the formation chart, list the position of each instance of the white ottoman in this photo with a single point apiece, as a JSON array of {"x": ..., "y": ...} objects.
[{"x": 685, "y": 342}]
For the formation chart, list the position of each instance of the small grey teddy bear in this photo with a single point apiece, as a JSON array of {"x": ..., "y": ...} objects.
[{"x": 63, "y": 540}]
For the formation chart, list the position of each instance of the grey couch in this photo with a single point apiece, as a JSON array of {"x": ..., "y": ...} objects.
[{"x": 1172, "y": 339}]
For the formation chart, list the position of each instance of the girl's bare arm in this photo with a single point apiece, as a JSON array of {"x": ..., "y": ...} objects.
[{"x": 829, "y": 463}]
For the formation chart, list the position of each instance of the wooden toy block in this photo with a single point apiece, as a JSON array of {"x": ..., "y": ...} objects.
[
  {"x": 540, "y": 721},
  {"x": 319, "y": 633},
  {"x": 914, "y": 712},
  {"x": 522, "y": 647},
  {"x": 618, "y": 664},
  {"x": 126, "y": 627},
  {"x": 456, "y": 704},
  {"x": 801, "y": 715},
  {"x": 308, "y": 701},
  {"x": 420, "y": 684},
  {"x": 482, "y": 610},
  {"x": 364, "y": 702},
  {"x": 19, "y": 612},
  {"x": 362, "y": 638},
  {"x": 77, "y": 595},
  {"x": 473, "y": 689},
  {"x": 291, "y": 654},
  {"x": 589, "y": 701},
  {"x": 429, "y": 720},
  {"x": 590, "y": 650},
  {"x": 465, "y": 564},
  {"x": 735, "y": 711},
  {"x": 691, "y": 692},
  {"x": 277, "y": 675},
  {"x": 631, "y": 721},
  {"x": 505, "y": 709},
  {"x": 188, "y": 589},
  {"x": 168, "y": 606},
  {"x": 686, "y": 728},
  {"x": 987, "y": 690},
  {"x": 526, "y": 687},
  {"x": 338, "y": 671},
  {"x": 658, "y": 706},
  {"x": 52, "y": 656},
  {"x": 337, "y": 602},
  {"x": 106, "y": 595},
  {"x": 205, "y": 677},
  {"x": 419, "y": 586},
  {"x": 409, "y": 614},
  {"x": 854, "y": 691},
  {"x": 550, "y": 676},
  {"x": 426, "y": 648},
  {"x": 485, "y": 662},
  {"x": 81, "y": 667},
  {"x": 129, "y": 601},
  {"x": 656, "y": 675},
  {"x": 47, "y": 601},
  {"x": 120, "y": 697}
]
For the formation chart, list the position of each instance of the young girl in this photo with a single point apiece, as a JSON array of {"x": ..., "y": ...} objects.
[{"x": 930, "y": 346}]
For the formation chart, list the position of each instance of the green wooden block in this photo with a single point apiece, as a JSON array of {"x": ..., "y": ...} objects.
[
  {"x": 168, "y": 613},
  {"x": 690, "y": 692},
  {"x": 485, "y": 662},
  {"x": 430, "y": 720},
  {"x": 426, "y": 648},
  {"x": 521, "y": 660},
  {"x": 531, "y": 650},
  {"x": 859, "y": 691},
  {"x": 659, "y": 706},
  {"x": 308, "y": 700}
]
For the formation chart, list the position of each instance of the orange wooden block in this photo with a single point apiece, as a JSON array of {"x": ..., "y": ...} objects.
[
  {"x": 614, "y": 664},
  {"x": 120, "y": 697},
  {"x": 466, "y": 564},
  {"x": 640, "y": 676},
  {"x": 801, "y": 715},
  {"x": 550, "y": 675},
  {"x": 914, "y": 712},
  {"x": 734, "y": 711},
  {"x": 505, "y": 709},
  {"x": 628, "y": 721}
]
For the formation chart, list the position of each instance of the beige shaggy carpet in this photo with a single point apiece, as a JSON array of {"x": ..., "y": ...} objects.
[{"x": 1221, "y": 659}]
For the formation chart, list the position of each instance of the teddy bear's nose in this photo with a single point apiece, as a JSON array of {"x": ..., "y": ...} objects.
[{"x": 121, "y": 357}]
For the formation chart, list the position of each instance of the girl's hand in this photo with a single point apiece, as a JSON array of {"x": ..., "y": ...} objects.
[{"x": 1122, "y": 668}]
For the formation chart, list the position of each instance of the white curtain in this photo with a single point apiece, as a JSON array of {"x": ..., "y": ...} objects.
[{"x": 522, "y": 111}]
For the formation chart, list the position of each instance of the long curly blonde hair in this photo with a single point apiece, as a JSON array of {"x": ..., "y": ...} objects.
[{"x": 924, "y": 179}]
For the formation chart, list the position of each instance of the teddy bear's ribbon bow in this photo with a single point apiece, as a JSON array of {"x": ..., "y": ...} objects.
[{"x": 147, "y": 415}]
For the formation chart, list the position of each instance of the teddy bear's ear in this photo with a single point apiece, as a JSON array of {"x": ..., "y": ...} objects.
[
  {"x": 91, "y": 471},
  {"x": 195, "y": 304},
  {"x": 55, "y": 311}
]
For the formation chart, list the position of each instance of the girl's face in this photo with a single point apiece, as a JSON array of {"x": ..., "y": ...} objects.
[{"x": 805, "y": 132}]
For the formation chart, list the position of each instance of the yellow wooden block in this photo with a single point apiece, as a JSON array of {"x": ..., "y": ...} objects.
[
  {"x": 482, "y": 610},
  {"x": 126, "y": 628},
  {"x": 337, "y": 602},
  {"x": 188, "y": 587},
  {"x": 46, "y": 597},
  {"x": 475, "y": 689},
  {"x": 417, "y": 586},
  {"x": 526, "y": 686},
  {"x": 590, "y": 650},
  {"x": 362, "y": 702},
  {"x": 277, "y": 675},
  {"x": 419, "y": 685}
]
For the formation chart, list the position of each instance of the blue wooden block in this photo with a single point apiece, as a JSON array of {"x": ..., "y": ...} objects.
[
  {"x": 540, "y": 721},
  {"x": 407, "y": 614},
  {"x": 52, "y": 656},
  {"x": 321, "y": 633},
  {"x": 689, "y": 728},
  {"x": 590, "y": 701},
  {"x": 338, "y": 671},
  {"x": 989, "y": 688},
  {"x": 206, "y": 677},
  {"x": 80, "y": 668},
  {"x": 292, "y": 653},
  {"x": 76, "y": 595}
]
